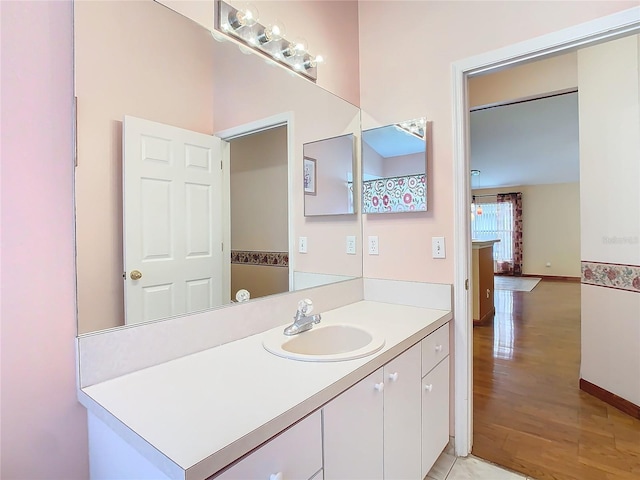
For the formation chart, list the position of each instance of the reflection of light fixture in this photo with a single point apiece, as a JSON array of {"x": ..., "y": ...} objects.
[
  {"x": 415, "y": 127},
  {"x": 475, "y": 173},
  {"x": 242, "y": 25}
]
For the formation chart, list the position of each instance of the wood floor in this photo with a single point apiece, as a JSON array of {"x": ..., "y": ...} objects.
[{"x": 529, "y": 414}]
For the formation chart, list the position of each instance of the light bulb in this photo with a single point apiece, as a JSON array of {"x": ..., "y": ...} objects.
[
  {"x": 271, "y": 33},
  {"x": 295, "y": 47},
  {"x": 311, "y": 62},
  {"x": 243, "y": 17}
]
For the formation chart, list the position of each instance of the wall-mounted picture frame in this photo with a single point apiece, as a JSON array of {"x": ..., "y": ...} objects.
[{"x": 310, "y": 181}]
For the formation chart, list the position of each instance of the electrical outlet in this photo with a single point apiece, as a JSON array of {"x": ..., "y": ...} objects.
[
  {"x": 351, "y": 244},
  {"x": 302, "y": 245},
  {"x": 437, "y": 247},
  {"x": 373, "y": 245}
]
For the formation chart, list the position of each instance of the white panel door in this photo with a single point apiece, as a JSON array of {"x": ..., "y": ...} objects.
[
  {"x": 172, "y": 220},
  {"x": 402, "y": 416},
  {"x": 352, "y": 433}
]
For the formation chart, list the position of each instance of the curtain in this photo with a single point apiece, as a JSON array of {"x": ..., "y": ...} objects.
[{"x": 509, "y": 213}]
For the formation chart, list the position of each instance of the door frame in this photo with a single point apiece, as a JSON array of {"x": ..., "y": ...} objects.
[
  {"x": 605, "y": 28},
  {"x": 256, "y": 126}
]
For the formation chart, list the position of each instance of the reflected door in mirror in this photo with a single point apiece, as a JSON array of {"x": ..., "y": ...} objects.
[{"x": 172, "y": 221}]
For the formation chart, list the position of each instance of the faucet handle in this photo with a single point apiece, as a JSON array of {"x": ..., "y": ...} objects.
[{"x": 305, "y": 306}]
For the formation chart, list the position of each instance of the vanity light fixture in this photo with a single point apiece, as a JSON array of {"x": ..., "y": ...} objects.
[{"x": 241, "y": 24}]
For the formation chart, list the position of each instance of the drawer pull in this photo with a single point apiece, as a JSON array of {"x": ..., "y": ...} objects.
[
  {"x": 428, "y": 388},
  {"x": 393, "y": 376},
  {"x": 379, "y": 386},
  {"x": 438, "y": 348},
  {"x": 275, "y": 476}
]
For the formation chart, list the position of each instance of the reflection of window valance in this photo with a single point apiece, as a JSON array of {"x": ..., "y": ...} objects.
[{"x": 395, "y": 194}]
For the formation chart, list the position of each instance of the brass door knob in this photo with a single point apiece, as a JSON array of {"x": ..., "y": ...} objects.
[{"x": 136, "y": 275}]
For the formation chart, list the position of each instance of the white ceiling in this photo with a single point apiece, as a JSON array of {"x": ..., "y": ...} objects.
[{"x": 529, "y": 143}]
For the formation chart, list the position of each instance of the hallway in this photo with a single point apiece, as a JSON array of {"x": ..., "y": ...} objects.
[{"x": 529, "y": 414}]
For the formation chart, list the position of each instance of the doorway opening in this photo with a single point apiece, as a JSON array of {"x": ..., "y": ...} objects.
[
  {"x": 257, "y": 176},
  {"x": 590, "y": 33}
]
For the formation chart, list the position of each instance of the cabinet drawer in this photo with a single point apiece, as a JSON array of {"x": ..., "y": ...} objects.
[
  {"x": 434, "y": 348},
  {"x": 295, "y": 454}
]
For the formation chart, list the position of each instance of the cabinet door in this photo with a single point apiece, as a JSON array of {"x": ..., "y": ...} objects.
[
  {"x": 353, "y": 441},
  {"x": 402, "y": 414},
  {"x": 435, "y": 414},
  {"x": 295, "y": 454}
]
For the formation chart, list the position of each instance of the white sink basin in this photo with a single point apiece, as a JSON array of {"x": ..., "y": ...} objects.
[{"x": 324, "y": 343}]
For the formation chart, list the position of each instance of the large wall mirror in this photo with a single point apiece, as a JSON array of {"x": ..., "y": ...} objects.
[
  {"x": 394, "y": 167},
  {"x": 141, "y": 60}
]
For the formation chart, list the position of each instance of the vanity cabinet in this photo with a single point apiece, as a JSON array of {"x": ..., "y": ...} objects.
[
  {"x": 393, "y": 424},
  {"x": 402, "y": 407},
  {"x": 294, "y": 454},
  {"x": 373, "y": 430},
  {"x": 435, "y": 396},
  {"x": 353, "y": 431}
]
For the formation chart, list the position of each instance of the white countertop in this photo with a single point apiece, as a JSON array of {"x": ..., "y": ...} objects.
[{"x": 197, "y": 414}]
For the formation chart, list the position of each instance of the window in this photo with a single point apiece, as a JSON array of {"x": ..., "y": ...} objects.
[{"x": 496, "y": 221}]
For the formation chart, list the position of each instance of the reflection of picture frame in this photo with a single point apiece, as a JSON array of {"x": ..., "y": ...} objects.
[{"x": 310, "y": 181}]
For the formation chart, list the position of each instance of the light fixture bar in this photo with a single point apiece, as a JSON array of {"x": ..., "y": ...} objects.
[{"x": 267, "y": 40}]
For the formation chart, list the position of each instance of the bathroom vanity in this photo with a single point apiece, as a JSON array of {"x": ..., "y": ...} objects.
[{"x": 238, "y": 411}]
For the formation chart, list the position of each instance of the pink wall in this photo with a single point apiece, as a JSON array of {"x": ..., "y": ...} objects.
[
  {"x": 438, "y": 34},
  {"x": 43, "y": 426}
]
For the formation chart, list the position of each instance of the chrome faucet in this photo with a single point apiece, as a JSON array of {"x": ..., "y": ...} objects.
[{"x": 301, "y": 320}]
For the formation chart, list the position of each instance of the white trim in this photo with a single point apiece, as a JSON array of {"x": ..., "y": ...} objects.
[
  {"x": 257, "y": 126},
  {"x": 225, "y": 155},
  {"x": 598, "y": 30}
]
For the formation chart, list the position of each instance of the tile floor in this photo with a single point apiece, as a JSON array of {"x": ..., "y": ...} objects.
[{"x": 468, "y": 468}]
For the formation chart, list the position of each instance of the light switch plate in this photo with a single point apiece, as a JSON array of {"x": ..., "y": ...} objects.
[
  {"x": 302, "y": 244},
  {"x": 351, "y": 244},
  {"x": 437, "y": 247},
  {"x": 373, "y": 245}
]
